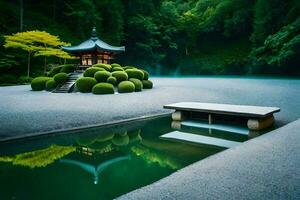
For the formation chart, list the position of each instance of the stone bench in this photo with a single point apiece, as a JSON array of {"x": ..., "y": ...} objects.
[{"x": 258, "y": 117}]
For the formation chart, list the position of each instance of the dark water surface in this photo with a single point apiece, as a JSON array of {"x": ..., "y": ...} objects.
[{"x": 102, "y": 163}]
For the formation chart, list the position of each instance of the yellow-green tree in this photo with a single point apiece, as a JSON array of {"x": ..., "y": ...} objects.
[{"x": 36, "y": 42}]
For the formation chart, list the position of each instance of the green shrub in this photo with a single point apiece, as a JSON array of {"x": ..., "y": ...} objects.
[
  {"x": 107, "y": 67},
  {"x": 69, "y": 68},
  {"x": 146, "y": 74},
  {"x": 137, "y": 83},
  {"x": 120, "y": 140},
  {"x": 120, "y": 76},
  {"x": 135, "y": 73},
  {"x": 51, "y": 85},
  {"x": 125, "y": 87},
  {"x": 147, "y": 84},
  {"x": 115, "y": 65},
  {"x": 112, "y": 80},
  {"x": 117, "y": 69},
  {"x": 129, "y": 67},
  {"x": 85, "y": 84},
  {"x": 60, "y": 78},
  {"x": 90, "y": 72},
  {"x": 8, "y": 78},
  {"x": 103, "y": 88},
  {"x": 24, "y": 79},
  {"x": 102, "y": 76},
  {"x": 54, "y": 70},
  {"x": 39, "y": 83}
]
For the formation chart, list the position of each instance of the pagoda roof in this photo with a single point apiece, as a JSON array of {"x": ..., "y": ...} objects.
[{"x": 93, "y": 44}]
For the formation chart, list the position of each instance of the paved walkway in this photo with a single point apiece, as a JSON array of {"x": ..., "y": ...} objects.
[
  {"x": 266, "y": 167},
  {"x": 23, "y": 111}
]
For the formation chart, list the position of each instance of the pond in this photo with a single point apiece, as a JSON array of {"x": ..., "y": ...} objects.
[{"x": 106, "y": 162}]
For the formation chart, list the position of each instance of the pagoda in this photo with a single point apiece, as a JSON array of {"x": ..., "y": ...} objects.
[{"x": 93, "y": 51}]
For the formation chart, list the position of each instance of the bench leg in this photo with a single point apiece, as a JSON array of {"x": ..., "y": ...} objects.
[
  {"x": 259, "y": 124},
  {"x": 178, "y": 116}
]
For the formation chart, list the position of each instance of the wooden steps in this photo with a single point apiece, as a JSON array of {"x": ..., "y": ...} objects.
[{"x": 68, "y": 85}]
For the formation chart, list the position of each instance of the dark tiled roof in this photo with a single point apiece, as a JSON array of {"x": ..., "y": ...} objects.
[{"x": 93, "y": 44}]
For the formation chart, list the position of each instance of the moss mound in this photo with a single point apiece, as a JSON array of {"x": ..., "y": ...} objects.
[
  {"x": 115, "y": 65},
  {"x": 120, "y": 76},
  {"x": 39, "y": 83},
  {"x": 120, "y": 140},
  {"x": 117, "y": 69},
  {"x": 146, "y": 74},
  {"x": 51, "y": 85},
  {"x": 85, "y": 84},
  {"x": 112, "y": 80},
  {"x": 137, "y": 83},
  {"x": 129, "y": 67},
  {"x": 90, "y": 72},
  {"x": 54, "y": 70},
  {"x": 126, "y": 87},
  {"x": 103, "y": 88},
  {"x": 69, "y": 68},
  {"x": 135, "y": 73},
  {"x": 60, "y": 78},
  {"x": 101, "y": 76},
  {"x": 107, "y": 67},
  {"x": 147, "y": 84}
]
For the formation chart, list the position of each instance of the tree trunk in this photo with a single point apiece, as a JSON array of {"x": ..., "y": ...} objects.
[
  {"x": 21, "y": 15},
  {"x": 45, "y": 65},
  {"x": 28, "y": 65}
]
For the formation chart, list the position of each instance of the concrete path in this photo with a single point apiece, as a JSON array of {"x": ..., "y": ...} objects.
[
  {"x": 23, "y": 111},
  {"x": 266, "y": 167}
]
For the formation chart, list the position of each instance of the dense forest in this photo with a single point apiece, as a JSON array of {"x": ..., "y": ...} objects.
[{"x": 167, "y": 37}]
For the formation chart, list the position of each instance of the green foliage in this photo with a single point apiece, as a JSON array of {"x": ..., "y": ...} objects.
[
  {"x": 126, "y": 87},
  {"x": 120, "y": 140},
  {"x": 129, "y": 67},
  {"x": 8, "y": 79},
  {"x": 146, "y": 74},
  {"x": 135, "y": 73},
  {"x": 112, "y": 80},
  {"x": 90, "y": 72},
  {"x": 101, "y": 76},
  {"x": 54, "y": 70},
  {"x": 60, "y": 78},
  {"x": 69, "y": 68},
  {"x": 120, "y": 76},
  {"x": 51, "y": 85},
  {"x": 117, "y": 69},
  {"x": 107, "y": 67},
  {"x": 115, "y": 65},
  {"x": 103, "y": 88},
  {"x": 85, "y": 84},
  {"x": 137, "y": 83},
  {"x": 147, "y": 84},
  {"x": 39, "y": 83}
]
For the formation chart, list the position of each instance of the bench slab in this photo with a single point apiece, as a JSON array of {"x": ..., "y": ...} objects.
[{"x": 224, "y": 109}]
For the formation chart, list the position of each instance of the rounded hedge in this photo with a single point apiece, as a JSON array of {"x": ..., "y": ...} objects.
[
  {"x": 115, "y": 65},
  {"x": 129, "y": 67},
  {"x": 102, "y": 76},
  {"x": 51, "y": 85},
  {"x": 137, "y": 83},
  {"x": 126, "y": 87},
  {"x": 90, "y": 72},
  {"x": 146, "y": 74},
  {"x": 60, "y": 78},
  {"x": 85, "y": 84},
  {"x": 120, "y": 76},
  {"x": 69, "y": 68},
  {"x": 107, "y": 67},
  {"x": 112, "y": 80},
  {"x": 117, "y": 69},
  {"x": 135, "y": 73},
  {"x": 39, "y": 83},
  {"x": 103, "y": 88},
  {"x": 147, "y": 84},
  {"x": 54, "y": 70}
]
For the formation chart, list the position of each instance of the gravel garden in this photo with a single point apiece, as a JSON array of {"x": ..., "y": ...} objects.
[{"x": 98, "y": 79}]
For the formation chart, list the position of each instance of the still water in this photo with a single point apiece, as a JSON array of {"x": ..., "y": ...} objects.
[{"x": 104, "y": 163}]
